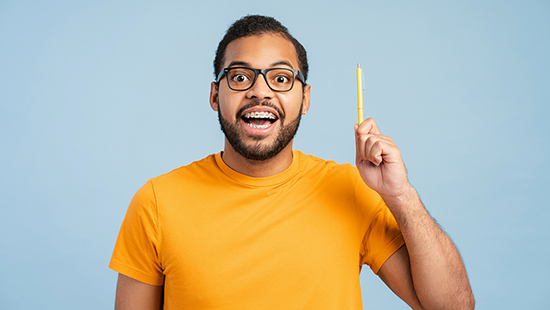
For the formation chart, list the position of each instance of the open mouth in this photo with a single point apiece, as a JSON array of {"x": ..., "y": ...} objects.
[{"x": 259, "y": 120}]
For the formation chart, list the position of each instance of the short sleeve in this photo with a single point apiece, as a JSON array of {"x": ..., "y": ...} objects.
[
  {"x": 136, "y": 252},
  {"x": 382, "y": 239},
  {"x": 382, "y": 236}
]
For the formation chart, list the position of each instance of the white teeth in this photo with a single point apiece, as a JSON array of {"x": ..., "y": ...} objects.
[
  {"x": 260, "y": 115},
  {"x": 258, "y": 126}
]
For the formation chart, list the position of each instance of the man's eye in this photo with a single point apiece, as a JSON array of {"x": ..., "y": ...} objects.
[
  {"x": 281, "y": 79},
  {"x": 240, "y": 78}
]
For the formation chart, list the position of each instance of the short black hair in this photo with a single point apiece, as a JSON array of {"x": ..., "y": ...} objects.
[{"x": 257, "y": 25}]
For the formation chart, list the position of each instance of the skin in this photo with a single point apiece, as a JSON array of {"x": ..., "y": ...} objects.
[
  {"x": 427, "y": 273},
  {"x": 266, "y": 51},
  {"x": 135, "y": 295}
]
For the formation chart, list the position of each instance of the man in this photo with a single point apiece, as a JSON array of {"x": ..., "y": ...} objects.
[{"x": 263, "y": 226}]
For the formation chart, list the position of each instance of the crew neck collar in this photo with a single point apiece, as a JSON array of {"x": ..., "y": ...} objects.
[{"x": 260, "y": 181}]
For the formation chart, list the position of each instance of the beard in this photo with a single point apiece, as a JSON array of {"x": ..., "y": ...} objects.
[{"x": 259, "y": 151}]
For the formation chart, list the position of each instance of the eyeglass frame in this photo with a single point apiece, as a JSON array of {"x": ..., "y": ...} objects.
[{"x": 262, "y": 72}]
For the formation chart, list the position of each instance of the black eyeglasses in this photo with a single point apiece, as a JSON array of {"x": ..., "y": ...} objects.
[{"x": 243, "y": 78}]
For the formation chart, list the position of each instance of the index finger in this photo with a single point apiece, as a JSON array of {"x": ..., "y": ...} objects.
[{"x": 368, "y": 126}]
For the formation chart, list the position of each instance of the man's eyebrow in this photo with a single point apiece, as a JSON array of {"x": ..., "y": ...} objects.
[
  {"x": 282, "y": 62},
  {"x": 238, "y": 64}
]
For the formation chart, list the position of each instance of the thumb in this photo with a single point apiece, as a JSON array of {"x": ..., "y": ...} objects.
[{"x": 357, "y": 153}]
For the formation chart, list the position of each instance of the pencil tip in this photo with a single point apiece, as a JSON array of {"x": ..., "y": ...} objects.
[{"x": 358, "y": 65}]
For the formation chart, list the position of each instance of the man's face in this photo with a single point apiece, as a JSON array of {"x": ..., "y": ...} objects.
[{"x": 259, "y": 122}]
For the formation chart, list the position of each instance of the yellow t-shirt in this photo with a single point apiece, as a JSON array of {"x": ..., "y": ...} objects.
[{"x": 218, "y": 239}]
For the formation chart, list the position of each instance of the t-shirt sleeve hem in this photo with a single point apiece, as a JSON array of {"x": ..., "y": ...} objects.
[
  {"x": 135, "y": 274},
  {"x": 388, "y": 251}
]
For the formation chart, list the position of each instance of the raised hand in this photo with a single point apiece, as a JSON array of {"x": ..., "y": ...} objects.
[{"x": 379, "y": 161}]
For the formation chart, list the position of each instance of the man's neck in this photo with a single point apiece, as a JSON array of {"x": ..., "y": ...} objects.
[{"x": 257, "y": 168}]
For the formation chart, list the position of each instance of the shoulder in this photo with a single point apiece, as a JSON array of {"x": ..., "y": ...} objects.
[
  {"x": 195, "y": 169},
  {"x": 314, "y": 164},
  {"x": 343, "y": 177},
  {"x": 327, "y": 171},
  {"x": 179, "y": 179}
]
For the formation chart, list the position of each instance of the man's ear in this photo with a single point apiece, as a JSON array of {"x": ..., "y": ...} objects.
[
  {"x": 305, "y": 98},
  {"x": 214, "y": 95}
]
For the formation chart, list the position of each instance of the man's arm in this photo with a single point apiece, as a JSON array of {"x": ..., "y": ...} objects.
[
  {"x": 132, "y": 294},
  {"x": 428, "y": 272},
  {"x": 429, "y": 263}
]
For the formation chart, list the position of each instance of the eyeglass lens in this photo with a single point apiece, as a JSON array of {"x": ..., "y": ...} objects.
[{"x": 243, "y": 78}]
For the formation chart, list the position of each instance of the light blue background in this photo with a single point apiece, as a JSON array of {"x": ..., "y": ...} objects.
[{"x": 98, "y": 96}]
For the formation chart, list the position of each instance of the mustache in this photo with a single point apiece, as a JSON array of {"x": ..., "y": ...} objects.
[{"x": 265, "y": 103}]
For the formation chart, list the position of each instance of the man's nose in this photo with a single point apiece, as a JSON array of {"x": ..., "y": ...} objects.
[{"x": 260, "y": 89}]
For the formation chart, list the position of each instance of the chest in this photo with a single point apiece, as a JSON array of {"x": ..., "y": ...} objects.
[{"x": 268, "y": 240}]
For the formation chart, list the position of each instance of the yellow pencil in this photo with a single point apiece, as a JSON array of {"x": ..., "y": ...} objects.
[{"x": 360, "y": 93}]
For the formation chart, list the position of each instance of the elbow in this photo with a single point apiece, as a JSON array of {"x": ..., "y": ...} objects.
[
  {"x": 466, "y": 302},
  {"x": 464, "y": 298},
  {"x": 470, "y": 303}
]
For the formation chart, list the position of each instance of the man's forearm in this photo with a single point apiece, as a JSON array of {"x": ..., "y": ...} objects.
[{"x": 438, "y": 273}]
